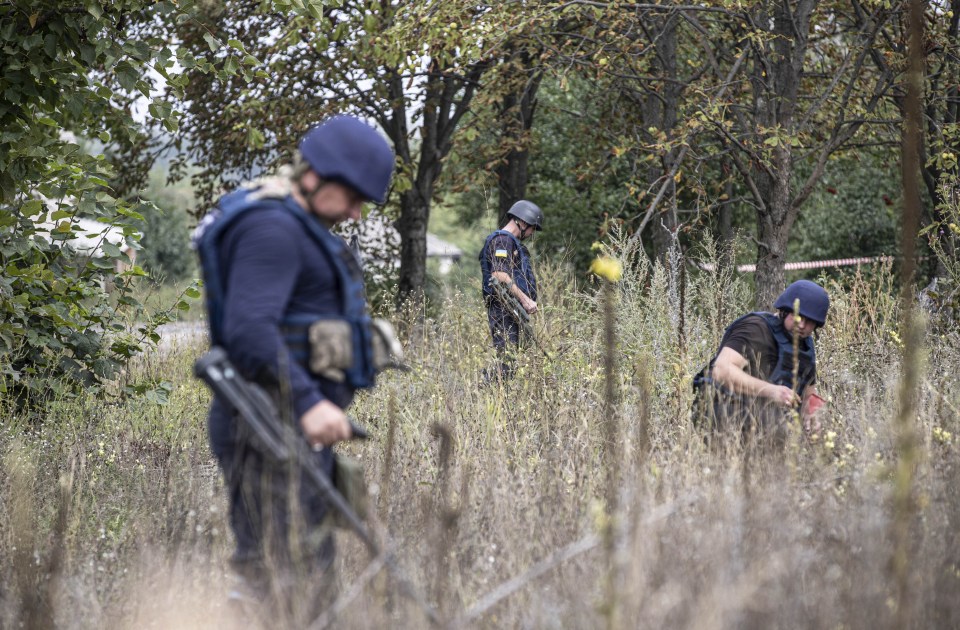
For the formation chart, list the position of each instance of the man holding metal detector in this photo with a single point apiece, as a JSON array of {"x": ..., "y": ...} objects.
[
  {"x": 292, "y": 341},
  {"x": 509, "y": 283}
]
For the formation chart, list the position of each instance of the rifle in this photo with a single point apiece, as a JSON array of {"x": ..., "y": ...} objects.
[
  {"x": 510, "y": 302},
  {"x": 282, "y": 445}
]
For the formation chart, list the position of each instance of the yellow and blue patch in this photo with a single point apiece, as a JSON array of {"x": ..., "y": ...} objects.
[{"x": 500, "y": 253}]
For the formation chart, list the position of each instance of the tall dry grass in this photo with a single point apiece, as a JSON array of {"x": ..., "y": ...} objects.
[{"x": 495, "y": 498}]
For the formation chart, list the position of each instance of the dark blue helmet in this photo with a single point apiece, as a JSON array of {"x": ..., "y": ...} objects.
[
  {"x": 347, "y": 150},
  {"x": 528, "y": 212},
  {"x": 814, "y": 301}
]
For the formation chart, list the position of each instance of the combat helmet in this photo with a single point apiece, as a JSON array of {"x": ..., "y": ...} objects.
[
  {"x": 528, "y": 212},
  {"x": 814, "y": 301},
  {"x": 347, "y": 150}
]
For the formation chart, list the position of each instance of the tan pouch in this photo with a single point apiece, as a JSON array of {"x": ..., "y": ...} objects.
[
  {"x": 387, "y": 350},
  {"x": 331, "y": 348},
  {"x": 349, "y": 482}
]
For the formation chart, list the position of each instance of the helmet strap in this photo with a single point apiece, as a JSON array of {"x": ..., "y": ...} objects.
[{"x": 308, "y": 194}]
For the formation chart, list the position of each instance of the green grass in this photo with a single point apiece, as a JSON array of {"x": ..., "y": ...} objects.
[{"x": 163, "y": 296}]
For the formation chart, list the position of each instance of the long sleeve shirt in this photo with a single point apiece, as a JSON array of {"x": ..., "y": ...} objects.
[{"x": 273, "y": 267}]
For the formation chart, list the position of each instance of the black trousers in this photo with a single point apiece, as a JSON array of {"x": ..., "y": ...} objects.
[
  {"x": 504, "y": 329},
  {"x": 506, "y": 334},
  {"x": 722, "y": 412},
  {"x": 285, "y": 547}
]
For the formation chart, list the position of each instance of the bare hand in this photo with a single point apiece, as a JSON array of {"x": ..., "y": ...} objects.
[
  {"x": 810, "y": 423},
  {"x": 325, "y": 424},
  {"x": 782, "y": 395},
  {"x": 530, "y": 306}
]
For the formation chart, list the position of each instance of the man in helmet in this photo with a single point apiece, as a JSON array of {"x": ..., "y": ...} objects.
[
  {"x": 505, "y": 259},
  {"x": 766, "y": 367},
  {"x": 272, "y": 269}
]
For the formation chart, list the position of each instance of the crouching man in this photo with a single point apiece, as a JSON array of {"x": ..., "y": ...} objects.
[{"x": 765, "y": 368}]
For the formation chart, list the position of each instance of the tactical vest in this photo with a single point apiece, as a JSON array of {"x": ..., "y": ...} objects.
[
  {"x": 294, "y": 326},
  {"x": 523, "y": 271},
  {"x": 782, "y": 373}
]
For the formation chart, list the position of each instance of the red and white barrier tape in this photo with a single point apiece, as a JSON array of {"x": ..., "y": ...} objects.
[{"x": 813, "y": 264}]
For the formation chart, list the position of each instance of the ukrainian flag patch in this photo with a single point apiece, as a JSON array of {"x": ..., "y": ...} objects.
[{"x": 500, "y": 253}]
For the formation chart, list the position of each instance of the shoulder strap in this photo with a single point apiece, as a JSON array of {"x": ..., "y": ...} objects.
[
  {"x": 206, "y": 240},
  {"x": 341, "y": 258},
  {"x": 516, "y": 242},
  {"x": 493, "y": 235},
  {"x": 352, "y": 291}
]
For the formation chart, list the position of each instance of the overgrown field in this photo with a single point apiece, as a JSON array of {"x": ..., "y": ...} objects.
[{"x": 113, "y": 513}]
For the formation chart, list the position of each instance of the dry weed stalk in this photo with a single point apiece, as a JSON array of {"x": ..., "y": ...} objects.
[
  {"x": 612, "y": 451},
  {"x": 447, "y": 518},
  {"x": 388, "y": 456},
  {"x": 903, "y": 502}
]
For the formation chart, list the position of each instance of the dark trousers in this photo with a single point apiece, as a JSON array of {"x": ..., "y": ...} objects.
[
  {"x": 503, "y": 327},
  {"x": 506, "y": 334},
  {"x": 722, "y": 412},
  {"x": 284, "y": 548}
]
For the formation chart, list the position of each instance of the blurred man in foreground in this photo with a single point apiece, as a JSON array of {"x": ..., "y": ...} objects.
[{"x": 281, "y": 290}]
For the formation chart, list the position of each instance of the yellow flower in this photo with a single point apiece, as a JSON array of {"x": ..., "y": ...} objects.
[
  {"x": 942, "y": 436},
  {"x": 608, "y": 268}
]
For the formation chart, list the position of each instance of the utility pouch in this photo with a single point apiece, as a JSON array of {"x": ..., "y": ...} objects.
[
  {"x": 332, "y": 352},
  {"x": 331, "y": 348},
  {"x": 349, "y": 482},
  {"x": 387, "y": 350}
]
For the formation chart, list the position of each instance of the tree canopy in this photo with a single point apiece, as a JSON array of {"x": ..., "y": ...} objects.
[
  {"x": 671, "y": 120},
  {"x": 74, "y": 77}
]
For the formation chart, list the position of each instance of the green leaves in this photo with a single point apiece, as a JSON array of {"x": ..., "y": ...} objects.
[
  {"x": 93, "y": 8},
  {"x": 31, "y": 208},
  {"x": 69, "y": 76},
  {"x": 212, "y": 42}
]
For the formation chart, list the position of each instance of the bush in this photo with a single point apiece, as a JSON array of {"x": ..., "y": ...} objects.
[{"x": 166, "y": 252}]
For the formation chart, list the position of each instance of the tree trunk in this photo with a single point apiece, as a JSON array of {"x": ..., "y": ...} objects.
[
  {"x": 415, "y": 203},
  {"x": 774, "y": 222},
  {"x": 447, "y": 97},
  {"x": 776, "y": 82},
  {"x": 942, "y": 112},
  {"x": 660, "y": 112},
  {"x": 516, "y": 113},
  {"x": 412, "y": 226},
  {"x": 772, "y": 256}
]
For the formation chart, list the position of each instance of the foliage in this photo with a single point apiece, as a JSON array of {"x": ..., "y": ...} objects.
[
  {"x": 427, "y": 59},
  {"x": 72, "y": 71},
  {"x": 166, "y": 252},
  {"x": 851, "y": 213},
  {"x": 577, "y": 184},
  {"x": 943, "y": 237},
  {"x": 667, "y": 126},
  {"x": 580, "y": 184}
]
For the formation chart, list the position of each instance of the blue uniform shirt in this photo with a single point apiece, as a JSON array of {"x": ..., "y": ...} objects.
[{"x": 272, "y": 267}]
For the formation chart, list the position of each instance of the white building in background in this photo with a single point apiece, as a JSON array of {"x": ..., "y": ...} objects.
[
  {"x": 447, "y": 253},
  {"x": 379, "y": 240},
  {"x": 89, "y": 236}
]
